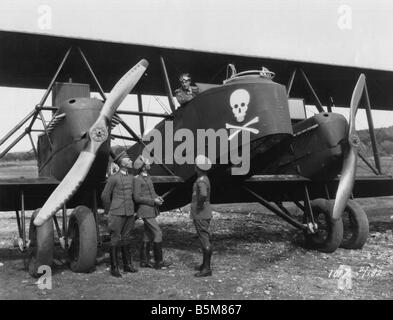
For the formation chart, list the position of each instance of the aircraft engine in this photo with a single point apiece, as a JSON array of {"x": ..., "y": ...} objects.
[
  {"x": 69, "y": 138},
  {"x": 97, "y": 135}
]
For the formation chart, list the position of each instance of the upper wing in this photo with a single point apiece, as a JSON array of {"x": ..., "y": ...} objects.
[{"x": 30, "y": 60}]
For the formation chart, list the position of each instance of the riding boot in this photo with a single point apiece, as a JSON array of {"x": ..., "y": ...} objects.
[
  {"x": 145, "y": 255},
  {"x": 127, "y": 261},
  {"x": 114, "y": 257},
  {"x": 159, "y": 263},
  {"x": 198, "y": 267},
  {"x": 206, "y": 268},
  {"x": 149, "y": 248}
]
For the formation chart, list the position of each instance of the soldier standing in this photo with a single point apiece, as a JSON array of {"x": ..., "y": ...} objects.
[
  {"x": 148, "y": 202},
  {"x": 117, "y": 201},
  {"x": 201, "y": 213}
]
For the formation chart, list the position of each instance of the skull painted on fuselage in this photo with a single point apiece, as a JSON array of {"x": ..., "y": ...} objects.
[{"x": 239, "y": 101}]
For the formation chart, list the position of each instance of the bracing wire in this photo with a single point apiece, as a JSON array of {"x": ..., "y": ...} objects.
[
  {"x": 148, "y": 109},
  {"x": 162, "y": 105}
]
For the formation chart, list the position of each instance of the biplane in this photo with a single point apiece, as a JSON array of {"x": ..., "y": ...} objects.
[{"x": 308, "y": 161}]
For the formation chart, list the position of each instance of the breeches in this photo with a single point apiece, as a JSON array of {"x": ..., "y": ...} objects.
[
  {"x": 202, "y": 230},
  {"x": 120, "y": 229},
  {"x": 152, "y": 231}
]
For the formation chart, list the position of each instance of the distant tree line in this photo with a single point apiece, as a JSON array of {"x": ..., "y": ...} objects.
[
  {"x": 18, "y": 156},
  {"x": 384, "y": 137}
]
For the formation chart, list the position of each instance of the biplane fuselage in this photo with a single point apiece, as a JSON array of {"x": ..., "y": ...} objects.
[{"x": 311, "y": 148}]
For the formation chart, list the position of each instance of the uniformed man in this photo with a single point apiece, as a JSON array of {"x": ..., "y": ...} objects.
[
  {"x": 186, "y": 92},
  {"x": 148, "y": 202},
  {"x": 118, "y": 202},
  {"x": 201, "y": 212}
]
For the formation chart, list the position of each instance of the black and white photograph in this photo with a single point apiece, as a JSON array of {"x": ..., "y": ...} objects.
[{"x": 196, "y": 155}]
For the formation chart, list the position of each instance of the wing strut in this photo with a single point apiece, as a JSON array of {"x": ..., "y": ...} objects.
[{"x": 167, "y": 85}]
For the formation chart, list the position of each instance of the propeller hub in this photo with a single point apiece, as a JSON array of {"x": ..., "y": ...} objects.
[
  {"x": 99, "y": 133},
  {"x": 354, "y": 140}
]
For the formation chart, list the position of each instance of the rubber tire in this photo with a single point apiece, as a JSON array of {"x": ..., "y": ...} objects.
[
  {"x": 335, "y": 228},
  {"x": 360, "y": 222},
  {"x": 82, "y": 231},
  {"x": 41, "y": 245}
]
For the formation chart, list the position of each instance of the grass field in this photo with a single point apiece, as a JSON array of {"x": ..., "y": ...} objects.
[
  {"x": 256, "y": 256},
  {"x": 15, "y": 169},
  {"x": 28, "y": 169}
]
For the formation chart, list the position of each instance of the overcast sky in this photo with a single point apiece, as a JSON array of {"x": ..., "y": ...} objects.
[{"x": 353, "y": 32}]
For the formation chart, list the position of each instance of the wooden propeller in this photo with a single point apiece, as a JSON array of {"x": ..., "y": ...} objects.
[{"x": 348, "y": 172}]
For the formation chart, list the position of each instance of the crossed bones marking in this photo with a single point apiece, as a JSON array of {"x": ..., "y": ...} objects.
[{"x": 245, "y": 127}]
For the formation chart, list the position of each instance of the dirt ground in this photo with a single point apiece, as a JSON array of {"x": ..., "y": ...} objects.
[{"x": 256, "y": 256}]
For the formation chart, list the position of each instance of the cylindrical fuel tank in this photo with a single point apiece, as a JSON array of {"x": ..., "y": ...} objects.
[{"x": 67, "y": 141}]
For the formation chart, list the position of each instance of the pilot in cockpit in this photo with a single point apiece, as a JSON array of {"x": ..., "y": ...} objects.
[{"x": 186, "y": 92}]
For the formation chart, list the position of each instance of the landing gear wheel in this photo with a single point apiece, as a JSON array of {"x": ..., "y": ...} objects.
[
  {"x": 330, "y": 232},
  {"x": 356, "y": 226},
  {"x": 83, "y": 236},
  {"x": 41, "y": 245}
]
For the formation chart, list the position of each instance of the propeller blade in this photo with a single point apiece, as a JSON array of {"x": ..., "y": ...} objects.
[
  {"x": 67, "y": 187},
  {"x": 122, "y": 88},
  {"x": 348, "y": 171},
  {"x": 98, "y": 134},
  {"x": 356, "y": 96}
]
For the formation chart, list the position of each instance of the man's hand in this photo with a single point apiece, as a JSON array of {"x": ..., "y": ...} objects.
[{"x": 158, "y": 201}]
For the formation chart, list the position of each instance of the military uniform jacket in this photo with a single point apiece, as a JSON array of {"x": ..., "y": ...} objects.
[
  {"x": 144, "y": 195},
  {"x": 184, "y": 96},
  {"x": 117, "y": 195},
  {"x": 200, "y": 204}
]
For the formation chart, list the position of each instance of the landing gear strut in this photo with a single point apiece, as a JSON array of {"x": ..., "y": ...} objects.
[
  {"x": 329, "y": 233},
  {"x": 41, "y": 245},
  {"x": 321, "y": 231}
]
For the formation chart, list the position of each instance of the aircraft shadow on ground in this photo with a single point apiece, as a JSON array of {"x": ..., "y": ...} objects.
[
  {"x": 176, "y": 237},
  {"x": 381, "y": 226},
  {"x": 179, "y": 239}
]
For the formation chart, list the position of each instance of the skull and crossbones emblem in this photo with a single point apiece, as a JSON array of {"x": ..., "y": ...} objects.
[{"x": 239, "y": 102}]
